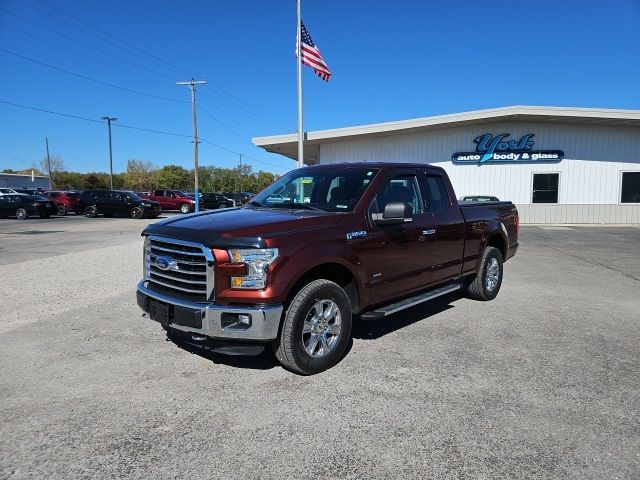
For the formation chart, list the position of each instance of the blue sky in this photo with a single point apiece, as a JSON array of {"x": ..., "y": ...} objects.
[{"x": 390, "y": 61}]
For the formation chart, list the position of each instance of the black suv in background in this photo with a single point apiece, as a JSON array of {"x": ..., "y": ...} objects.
[
  {"x": 116, "y": 202},
  {"x": 240, "y": 198},
  {"x": 215, "y": 200}
]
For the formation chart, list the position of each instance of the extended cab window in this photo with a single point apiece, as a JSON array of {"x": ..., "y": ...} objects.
[
  {"x": 402, "y": 188},
  {"x": 437, "y": 195}
]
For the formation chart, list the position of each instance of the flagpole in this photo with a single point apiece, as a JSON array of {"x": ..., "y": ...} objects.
[{"x": 299, "y": 58}]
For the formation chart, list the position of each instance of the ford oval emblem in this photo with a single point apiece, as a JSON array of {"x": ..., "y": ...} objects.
[{"x": 163, "y": 263}]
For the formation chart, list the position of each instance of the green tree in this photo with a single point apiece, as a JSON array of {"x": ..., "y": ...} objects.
[
  {"x": 174, "y": 176},
  {"x": 141, "y": 175},
  {"x": 70, "y": 181},
  {"x": 96, "y": 180}
]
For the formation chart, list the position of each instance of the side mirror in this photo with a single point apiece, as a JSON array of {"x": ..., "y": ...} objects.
[{"x": 394, "y": 213}]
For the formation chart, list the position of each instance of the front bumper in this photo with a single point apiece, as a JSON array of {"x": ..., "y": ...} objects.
[{"x": 206, "y": 318}]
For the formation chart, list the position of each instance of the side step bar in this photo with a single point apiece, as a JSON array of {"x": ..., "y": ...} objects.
[{"x": 410, "y": 302}]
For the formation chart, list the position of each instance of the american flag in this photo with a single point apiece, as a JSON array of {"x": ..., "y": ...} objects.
[{"x": 311, "y": 55}]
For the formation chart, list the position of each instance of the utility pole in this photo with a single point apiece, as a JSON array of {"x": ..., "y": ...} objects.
[
  {"x": 192, "y": 86},
  {"x": 240, "y": 171},
  {"x": 109, "y": 120},
  {"x": 46, "y": 141}
]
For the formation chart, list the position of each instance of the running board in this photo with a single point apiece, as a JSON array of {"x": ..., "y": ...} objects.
[{"x": 410, "y": 302}]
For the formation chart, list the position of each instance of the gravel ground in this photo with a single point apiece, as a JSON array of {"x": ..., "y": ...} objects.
[{"x": 540, "y": 383}]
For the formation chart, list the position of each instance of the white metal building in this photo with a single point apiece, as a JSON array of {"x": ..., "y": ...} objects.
[
  {"x": 18, "y": 180},
  {"x": 558, "y": 165}
]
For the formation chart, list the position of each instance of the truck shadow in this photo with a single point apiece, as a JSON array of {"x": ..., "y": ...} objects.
[
  {"x": 263, "y": 361},
  {"x": 362, "y": 330},
  {"x": 373, "y": 329}
]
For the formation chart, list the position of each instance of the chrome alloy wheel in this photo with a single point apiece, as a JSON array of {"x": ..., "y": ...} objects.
[
  {"x": 493, "y": 275},
  {"x": 321, "y": 328}
]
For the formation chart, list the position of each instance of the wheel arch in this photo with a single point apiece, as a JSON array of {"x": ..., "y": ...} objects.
[{"x": 334, "y": 271}]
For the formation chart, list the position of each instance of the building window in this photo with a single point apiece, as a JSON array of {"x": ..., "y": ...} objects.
[
  {"x": 630, "y": 187},
  {"x": 545, "y": 187}
]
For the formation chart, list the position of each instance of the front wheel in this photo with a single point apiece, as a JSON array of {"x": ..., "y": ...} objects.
[
  {"x": 316, "y": 328},
  {"x": 137, "y": 213},
  {"x": 222, "y": 205},
  {"x": 91, "y": 211},
  {"x": 22, "y": 214},
  {"x": 184, "y": 208},
  {"x": 486, "y": 284},
  {"x": 61, "y": 210}
]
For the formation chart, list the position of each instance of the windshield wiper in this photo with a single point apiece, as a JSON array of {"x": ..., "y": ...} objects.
[{"x": 298, "y": 205}]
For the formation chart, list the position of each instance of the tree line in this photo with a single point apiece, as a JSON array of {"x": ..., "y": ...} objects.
[{"x": 144, "y": 176}]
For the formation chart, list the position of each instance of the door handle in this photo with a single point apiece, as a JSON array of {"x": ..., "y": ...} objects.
[{"x": 431, "y": 231}]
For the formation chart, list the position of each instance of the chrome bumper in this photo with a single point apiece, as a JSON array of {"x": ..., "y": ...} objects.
[{"x": 265, "y": 320}]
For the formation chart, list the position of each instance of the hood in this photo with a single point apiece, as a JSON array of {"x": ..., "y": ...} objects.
[{"x": 240, "y": 227}]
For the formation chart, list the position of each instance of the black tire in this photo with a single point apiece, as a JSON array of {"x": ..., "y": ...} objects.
[
  {"x": 482, "y": 286},
  {"x": 289, "y": 348},
  {"x": 185, "y": 208},
  {"x": 137, "y": 213},
  {"x": 61, "y": 210},
  {"x": 22, "y": 213},
  {"x": 91, "y": 211},
  {"x": 222, "y": 205}
]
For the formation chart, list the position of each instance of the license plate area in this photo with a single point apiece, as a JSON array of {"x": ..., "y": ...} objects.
[{"x": 160, "y": 312}]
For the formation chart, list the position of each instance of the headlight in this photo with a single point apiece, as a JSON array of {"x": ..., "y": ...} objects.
[
  {"x": 145, "y": 204},
  {"x": 257, "y": 261}
]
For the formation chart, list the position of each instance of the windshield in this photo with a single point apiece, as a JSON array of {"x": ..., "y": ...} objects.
[
  {"x": 336, "y": 190},
  {"x": 132, "y": 196}
]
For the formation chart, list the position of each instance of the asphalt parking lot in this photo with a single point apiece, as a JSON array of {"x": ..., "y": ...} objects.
[{"x": 540, "y": 383}]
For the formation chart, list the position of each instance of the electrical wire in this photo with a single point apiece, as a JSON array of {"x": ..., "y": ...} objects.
[
  {"x": 166, "y": 63},
  {"x": 92, "y": 79},
  {"x": 120, "y": 125},
  {"x": 104, "y": 52},
  {"x": 174, "y": 67},
  {"x": 93, "y": 59}
]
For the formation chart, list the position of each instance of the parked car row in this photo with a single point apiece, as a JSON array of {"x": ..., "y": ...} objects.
[{"x": 23, "y": 203}]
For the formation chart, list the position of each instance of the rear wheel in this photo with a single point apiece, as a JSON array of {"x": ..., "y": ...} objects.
[
  {"x": 315, "y": 329},
  {"x": 185, "y": 208},
  {"x": 22, "y": 214},
  {"x": 485, "y": 285},
  {"x": 61, "y": 210},
  {"x": 137, "y": 213},
  {"x": 91, "y": 211}
]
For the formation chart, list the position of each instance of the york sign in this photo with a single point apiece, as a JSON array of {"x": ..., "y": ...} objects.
[{"x": 502, "y": 149}]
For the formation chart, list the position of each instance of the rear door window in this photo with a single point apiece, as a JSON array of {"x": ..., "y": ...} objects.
[{"x": 437, "y": 195}]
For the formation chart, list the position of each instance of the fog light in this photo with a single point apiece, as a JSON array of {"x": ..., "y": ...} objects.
[{"x": 235, "y": 321}]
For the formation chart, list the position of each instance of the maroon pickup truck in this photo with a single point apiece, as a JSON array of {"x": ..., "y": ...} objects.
[{"x": 321, "y": 247}]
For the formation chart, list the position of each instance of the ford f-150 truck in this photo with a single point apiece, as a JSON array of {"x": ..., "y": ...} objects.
[{"x": 319, "y": 248}]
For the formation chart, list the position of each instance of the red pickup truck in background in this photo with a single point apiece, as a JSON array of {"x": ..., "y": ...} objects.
[
  {"x": 319, "y": 248},
  {"x": 172, "y": 200}
]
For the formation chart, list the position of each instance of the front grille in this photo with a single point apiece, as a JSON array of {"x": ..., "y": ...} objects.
[{"x": 190, "y": 274}]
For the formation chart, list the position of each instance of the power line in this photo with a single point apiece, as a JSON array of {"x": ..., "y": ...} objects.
[
  {"x": 104, "y": 52},
  {"x": 172, "y": 66},
  {"x": 91, "y": 79},
  {"x": 83, "y": 55},
  {"x": 120, "y": 125}
]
